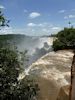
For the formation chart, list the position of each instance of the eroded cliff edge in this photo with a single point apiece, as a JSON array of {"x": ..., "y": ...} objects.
[{"x": 52, "y": 72}]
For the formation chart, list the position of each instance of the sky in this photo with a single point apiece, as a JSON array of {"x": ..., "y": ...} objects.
[{"x": 37, "y": 17}]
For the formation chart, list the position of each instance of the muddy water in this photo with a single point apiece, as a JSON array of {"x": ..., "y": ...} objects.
[
  {"x": 53, "y": 72},
  {"x": 48, "y": 89}
]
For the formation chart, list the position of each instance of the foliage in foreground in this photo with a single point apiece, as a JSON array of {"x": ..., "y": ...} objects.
[
  {"x": 3, "y": 20},
  {"x": 10, "y": 87},
  {"x": 65, "y": 39}
]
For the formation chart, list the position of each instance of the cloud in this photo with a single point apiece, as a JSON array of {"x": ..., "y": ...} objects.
[
  {"x": 44, "y": 25},
  {"x": 11, "y": 30},
  {"x": 61, "y": 11},
  {"x": 2, "y": 7},
  {"x": 25, "y": 11},
  {"x": 37, "y": 25},
  {"x": 69, "y": 17},
  {"x": 6, "y": 30},
  {"x": 34, "y": 29},
  {"x": 72, "y": 9},
  {"x": 42, "y": 28},
  {"x": 46, "y": 30},
  {"x": 51, "y": 30},
  {"x": 65, "y": 17},
  {"x": 56, "y": 28},
  {"x": 31, "y": 24},
  {"x": 34, "y": 15},
  {"x": 41, "y": 25}
]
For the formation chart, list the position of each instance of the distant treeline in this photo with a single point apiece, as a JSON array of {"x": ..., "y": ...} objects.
[{"x": 10, "y": 39}]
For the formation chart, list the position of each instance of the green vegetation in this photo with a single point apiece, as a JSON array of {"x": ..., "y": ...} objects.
[
  {"x": 10, "y": 67},
  {"x": 11, "y": 39},
  {"x": 65, "y": 39},
  {"x": 9, "y": 71},
  {"x": 10, "y": 87},
  {"x": 3, "y": 20}
]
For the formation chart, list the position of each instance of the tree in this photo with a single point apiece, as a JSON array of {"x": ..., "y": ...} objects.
[
  {"x": 3, "y": 20},
  {"x": 10, "y": 87},
  {"x": 9, "y": 72},
  {"x": 65, "y": 39}
]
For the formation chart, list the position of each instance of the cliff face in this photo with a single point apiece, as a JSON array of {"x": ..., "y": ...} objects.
[{"x": 52, "y": 72}]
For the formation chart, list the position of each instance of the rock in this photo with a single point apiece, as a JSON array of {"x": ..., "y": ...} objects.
[{"x": 64, "y": 93}]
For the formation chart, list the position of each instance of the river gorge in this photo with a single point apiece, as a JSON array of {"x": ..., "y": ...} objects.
[{"x": 51, "y": 70}]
